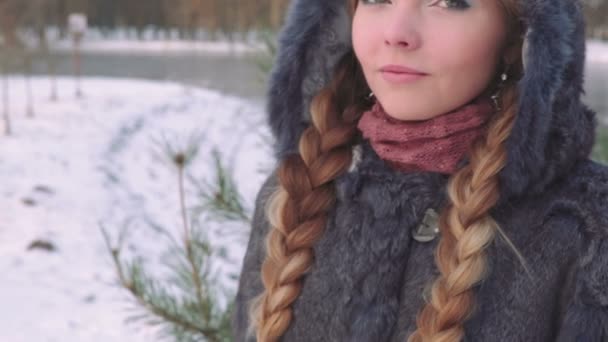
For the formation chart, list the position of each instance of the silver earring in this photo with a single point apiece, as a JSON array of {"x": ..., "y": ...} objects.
[
  {"x": 496, "y": 96},
  {"x": 371, "y": 94}
]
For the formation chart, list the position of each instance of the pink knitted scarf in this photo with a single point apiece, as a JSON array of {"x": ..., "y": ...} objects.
[{"x": 436, "y": 144}]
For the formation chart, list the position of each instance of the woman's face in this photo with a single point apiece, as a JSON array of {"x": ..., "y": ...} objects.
[{"x": 456, "y": 43}]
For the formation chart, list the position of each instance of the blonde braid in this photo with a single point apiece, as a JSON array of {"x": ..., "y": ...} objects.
[
  {"x": 466, "y": 230},
  {"x": 297, "y": 211}
]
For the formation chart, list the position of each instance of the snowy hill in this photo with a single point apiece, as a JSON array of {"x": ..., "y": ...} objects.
[{"x": 82, "y": 163}]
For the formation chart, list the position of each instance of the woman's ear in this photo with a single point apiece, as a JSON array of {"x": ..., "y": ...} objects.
[{"x": 515, "y": 48}]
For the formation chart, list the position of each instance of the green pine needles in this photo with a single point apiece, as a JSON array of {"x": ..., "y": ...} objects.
[{"x": 186, "y": 303}]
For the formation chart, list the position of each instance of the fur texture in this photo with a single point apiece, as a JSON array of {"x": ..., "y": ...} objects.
[{"x": 368, "y": 277}]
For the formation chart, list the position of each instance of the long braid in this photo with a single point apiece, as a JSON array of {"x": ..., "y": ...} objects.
[
  {"x": 466, "y": 226},
  {"x": 298, "y": 210},
  {"x": 466, "y": 230}
]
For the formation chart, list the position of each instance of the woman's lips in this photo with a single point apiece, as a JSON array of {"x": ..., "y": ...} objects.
[
  {"x": 399, "y": 73},
  {"x": 400, "y": 77}
]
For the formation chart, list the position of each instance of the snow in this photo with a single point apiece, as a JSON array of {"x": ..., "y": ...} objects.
[
  {"x": 597, "y": 51},
  {"x": 92, "y": 161},
  {"x": 160, "y": 46}
]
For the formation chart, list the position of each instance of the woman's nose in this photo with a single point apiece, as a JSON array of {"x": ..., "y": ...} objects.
[{"x": 401, "y": 26}]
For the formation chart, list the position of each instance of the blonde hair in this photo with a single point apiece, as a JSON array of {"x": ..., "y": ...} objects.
[{"x": 297, "y": 211}]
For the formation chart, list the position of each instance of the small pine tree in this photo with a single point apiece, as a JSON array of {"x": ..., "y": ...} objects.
[
  {"x": 5, "y": 95},
  {"x": 264, "y": 60},
  {"x": 191, "y": 313}
]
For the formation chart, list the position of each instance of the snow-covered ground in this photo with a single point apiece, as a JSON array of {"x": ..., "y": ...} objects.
[
  {"x": 596, "y": 78},
  {"x": 597, "y": 51},
  {"x": 160, "y": 46},
  {"x": 82, "y": 163}
]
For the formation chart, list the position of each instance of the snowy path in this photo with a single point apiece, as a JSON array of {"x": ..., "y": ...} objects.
[{"x": 84, "y": 163}]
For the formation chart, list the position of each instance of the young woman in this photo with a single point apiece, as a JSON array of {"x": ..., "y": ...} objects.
[{"x": 433, "y": 179}]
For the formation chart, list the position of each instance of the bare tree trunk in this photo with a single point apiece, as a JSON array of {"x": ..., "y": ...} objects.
[
  {"x": 8, "y": 27},
  {"x": 52, "y": 68},
  {"x": 77, "y": 61},
  {"x": 213, "y": 22},
  {"x": 8, "y": 22},
  {"x": 29, "y": 95},
  {"x": 276, "y": 13},
  {"x": 5, "y": 97},
  {"x": 51, "y": 63}
]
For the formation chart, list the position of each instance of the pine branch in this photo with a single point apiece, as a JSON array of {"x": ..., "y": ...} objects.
[
  {"x": 150, "y": 295},
  {"x": 182, "y": 314},
  {"x": 196, "y": 276},
  {"x": 221, "y": 198},
  {"x": 265, "y": 60},
  {"x": 189, "y": 312}
]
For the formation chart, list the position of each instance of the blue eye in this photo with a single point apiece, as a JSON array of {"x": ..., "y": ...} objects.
[
  {"x": 373, "y": 2},
  {"x": 451, "y": 4},
  {"x": 456, "y": 4}
]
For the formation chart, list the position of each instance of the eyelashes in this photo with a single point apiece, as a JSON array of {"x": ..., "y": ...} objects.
[
  {"x": 373, "y": 2},
  {"x": 458, "y": 5}
]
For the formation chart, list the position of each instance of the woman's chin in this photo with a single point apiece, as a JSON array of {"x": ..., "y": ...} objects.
[{"x": 398, "y": 112}]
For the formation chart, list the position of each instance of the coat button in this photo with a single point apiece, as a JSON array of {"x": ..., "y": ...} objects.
[{"x": 428, "y": 228}]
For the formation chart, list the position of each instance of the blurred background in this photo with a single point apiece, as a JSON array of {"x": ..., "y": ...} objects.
[
  {"x": 199, "y": 42},
  {"x": 132, "y": 144}
]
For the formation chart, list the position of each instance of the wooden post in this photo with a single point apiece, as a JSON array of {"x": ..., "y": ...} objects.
[
  {"x": 77, "y": 63},
  {"x": 78, "y": 25},
  {"x": 5, "y": 96},
  {"x": 29, "y": 94}
]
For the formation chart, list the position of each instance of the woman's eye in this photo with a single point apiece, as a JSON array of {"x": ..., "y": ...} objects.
[
  {"x": 374, "y": 2},
  {"x": 455, "y": 4},
  {"x": 449, "y": 4}
]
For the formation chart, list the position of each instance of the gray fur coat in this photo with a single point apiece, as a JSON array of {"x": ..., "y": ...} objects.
[{"x": 368, "y": 278}]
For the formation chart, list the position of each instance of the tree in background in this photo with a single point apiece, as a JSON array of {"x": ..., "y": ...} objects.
[
  {"x": 216, "y": 17},
  {"x": 596, "y": 13},
  {"x": 10, "y": 13},
  {"x": 185, "y": 305},
  {"x": 277, "y": 7}
]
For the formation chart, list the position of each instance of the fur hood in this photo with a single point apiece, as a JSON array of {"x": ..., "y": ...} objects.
[{"x": 553, "y": 128}]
